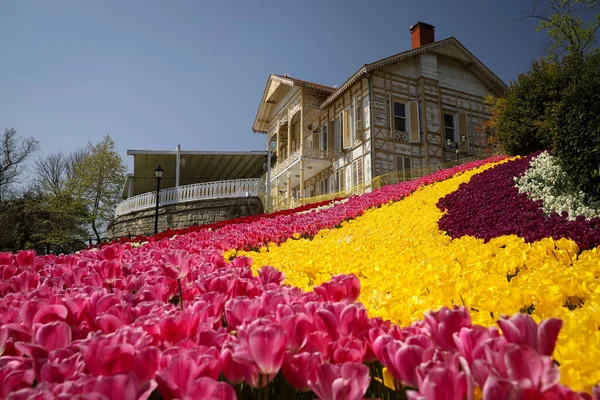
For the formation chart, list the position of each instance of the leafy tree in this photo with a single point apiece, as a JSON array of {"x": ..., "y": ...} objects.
[
  {"x": 522, "y": 118},
  {"x": 14, "y": 151},
  {"x": 571, "y": 25},
  {"x": 98, "y": 179},
  {"x": 577, "y": 122},
  {"x": 38, "y": 220}
]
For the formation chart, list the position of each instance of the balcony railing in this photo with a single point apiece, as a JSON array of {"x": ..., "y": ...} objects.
[
  {"x": 197, "y": 191},
  {"x": 308, "y": 153}
]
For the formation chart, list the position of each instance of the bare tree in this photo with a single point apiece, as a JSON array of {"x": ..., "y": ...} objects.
[
  {"x": 13, "y": 154},
  {"x": 571, "y": 25},
  {"x": 51, "y": 171},
  {"x": 55, "y": 170}
]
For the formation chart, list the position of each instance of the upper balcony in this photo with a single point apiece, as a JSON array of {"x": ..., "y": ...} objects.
[{"x": 315, "y": 161}]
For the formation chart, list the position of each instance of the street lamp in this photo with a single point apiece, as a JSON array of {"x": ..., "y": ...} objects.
[{"x": 159, "y": 173}]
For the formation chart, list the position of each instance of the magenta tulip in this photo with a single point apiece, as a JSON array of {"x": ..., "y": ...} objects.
[{"x": 348, "y": 381}]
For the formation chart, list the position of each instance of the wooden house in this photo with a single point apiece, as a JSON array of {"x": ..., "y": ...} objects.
[{"x": 406, "y": 113}]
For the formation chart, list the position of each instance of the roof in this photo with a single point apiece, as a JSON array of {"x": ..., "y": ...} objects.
[
  {"x": 365, "y": 69},
  {"x": 273, "y": 83},
  {"x": 196, "y": 167}
]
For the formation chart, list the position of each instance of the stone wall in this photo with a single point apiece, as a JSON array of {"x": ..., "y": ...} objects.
[{"x": 177, "y": 216}]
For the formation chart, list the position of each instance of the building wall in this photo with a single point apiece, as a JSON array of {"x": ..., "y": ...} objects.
[
  {"x": 183, "y": 215},
  {"x": 440, "y": 85}
]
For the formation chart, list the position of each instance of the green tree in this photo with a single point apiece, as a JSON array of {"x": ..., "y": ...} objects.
[
  {"x": 522, "y": 119},
  {"x": 62, "y": 216},
  {"x": 577, "y": 123},
  {"x": 98, "y": 179},
  {"x": 570, "y": 25}
]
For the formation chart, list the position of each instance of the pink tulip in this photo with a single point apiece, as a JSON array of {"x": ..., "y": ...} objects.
[
  {"x": 469, "y": 338},
  {"x": 53, "y": 336},
  {"x": 445, "y": 322},
  {"x": 441, "y": 384},
  {"x": 530, "y": 369},
  {"x": 402, "y": 361},
  {"x": 269, "y": 275},
  {"x": 348, "y": 349},
  {"x": 236, "y": 372},
  {"x": 208, "y": 388},
  {"x": 340, "y": 288},
  {"x": 178, "y": 379},
  {"x": 348, "y": 381},
  {"x": 112, "y": 252},
  {"x": 176, "y": 264},
  {"x": 109, "y": 270},
  {"x": 240, "y": 308},
  {"x": 25, "y": 258},
  {"x": 522, "y": 329},
  {"x": 301, "y": 368},
  {"x": 266, "y": 346}
]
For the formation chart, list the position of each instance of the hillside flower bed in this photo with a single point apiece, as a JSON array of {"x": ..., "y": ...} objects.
[
  {"x": 490, "y": 206},
  {"x": 175, "y": 319},
  {"x": 545, "y": 180},
  {"x": 408, "y": 266}
]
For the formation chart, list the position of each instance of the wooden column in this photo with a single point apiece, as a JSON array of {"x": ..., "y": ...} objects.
[
  {"x": 277, "y": 193},
  {"x": 277, "y": 149},
  {"x": 302, "y": 143},
  {"x": 289, "y": 186},
  {"x": 289, "y": 142}
]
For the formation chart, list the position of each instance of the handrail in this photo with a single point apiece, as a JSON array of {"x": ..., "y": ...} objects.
[{"x": 193, "y": 192}]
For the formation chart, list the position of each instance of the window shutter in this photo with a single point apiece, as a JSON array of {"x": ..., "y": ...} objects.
[
  {"x": 348, "y": 179},
  {"x": 358, "y": 119},
  {"x": 360, "y": 171},
  {"x": 330, "y": 140},
  {"x": 342, "y": 179},
  {"x": 415, "y": 129},
  {"x": 462, "y": 126},
  {"x": 316, "y": 141},
  {"x": 331, "y": 184},
  {"x": 347, "y": 134},
  {"x": 390, "y": 109}
]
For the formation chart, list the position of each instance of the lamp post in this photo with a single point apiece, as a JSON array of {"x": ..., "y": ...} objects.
[{"x": 159, "y": 173}]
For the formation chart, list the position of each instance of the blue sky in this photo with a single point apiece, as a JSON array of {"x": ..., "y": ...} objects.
[{"x": 153, "y": 73}]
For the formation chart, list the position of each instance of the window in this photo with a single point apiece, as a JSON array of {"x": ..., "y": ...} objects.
[
  {"x": 324, "y": 186},
  {"x": 357, "y": 173},
  {"x": 338, "y": 128},
  {"x": 449, "y": 127},
  {"x": 324, "y": 134},
  {"x": 357, "y": 120},
  {"x": 403, "y": 168},
  {"x": 339, "y": 179},
  {"x": 400, "y": 117}
]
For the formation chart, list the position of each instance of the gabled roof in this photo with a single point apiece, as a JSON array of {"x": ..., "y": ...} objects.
[
  {"x": 273, "y": 83},
  {"x": 496, "y": 84}
]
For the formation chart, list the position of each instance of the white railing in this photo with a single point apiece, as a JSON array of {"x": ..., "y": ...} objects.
[
  {"x": 308, "y": 153},
  {"x": 197, "y": 191}
]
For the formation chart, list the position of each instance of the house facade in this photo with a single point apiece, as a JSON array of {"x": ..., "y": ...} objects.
[{"x": 405, "y": 114}]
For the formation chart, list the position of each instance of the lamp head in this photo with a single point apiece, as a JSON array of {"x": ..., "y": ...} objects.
[{"x": 158, "y": 172}]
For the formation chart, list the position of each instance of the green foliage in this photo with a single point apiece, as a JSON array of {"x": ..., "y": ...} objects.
[
  {"x": 38, "y": 219},
  {"x": 521, "y": 118},
  {"x": 571, "y": 25},
  {"x": 97, "y": 180},
  {"x": 577, "y": 120}
]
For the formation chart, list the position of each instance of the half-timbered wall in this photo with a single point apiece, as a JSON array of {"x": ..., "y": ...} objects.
[
  {"x": 356, "y": 97},
  {"x": 439, "y": 84}
]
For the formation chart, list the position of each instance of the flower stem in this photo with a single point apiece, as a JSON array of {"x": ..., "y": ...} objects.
[{"x": 180, "y": 294}]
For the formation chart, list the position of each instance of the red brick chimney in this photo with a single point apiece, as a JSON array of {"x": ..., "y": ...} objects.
[{"x": 422, "y": 34}]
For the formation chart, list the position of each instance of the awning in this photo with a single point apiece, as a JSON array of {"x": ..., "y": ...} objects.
[{"x": 195, "y": 167}]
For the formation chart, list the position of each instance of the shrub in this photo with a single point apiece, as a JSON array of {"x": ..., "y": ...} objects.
[
  {"x": 522, "y": 119},
  {"x": 577, "y": 120}
]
